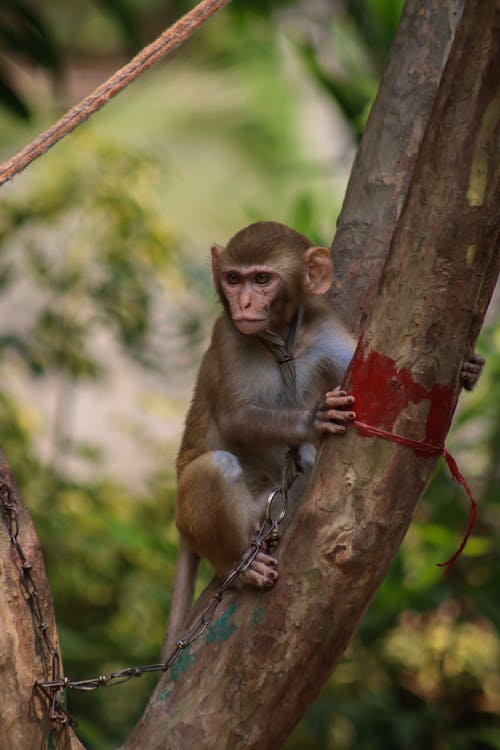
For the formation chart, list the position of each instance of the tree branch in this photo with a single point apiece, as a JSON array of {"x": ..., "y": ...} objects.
[
  {"x": 384, "y": 162},
  {"x": 172, "y": 38},
  {"x": 274, "y": 651}
]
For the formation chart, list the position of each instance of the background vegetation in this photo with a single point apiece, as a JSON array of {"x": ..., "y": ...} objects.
[{"x": 105, "y": 306}]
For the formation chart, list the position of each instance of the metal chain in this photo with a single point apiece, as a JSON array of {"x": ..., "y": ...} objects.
[
  {"x": 267, "y": 536},
  {"x": 10, "y": 512}
]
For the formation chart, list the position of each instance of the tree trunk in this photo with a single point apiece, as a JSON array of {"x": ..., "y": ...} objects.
[
  {"x": 26, "y": 647},
  {"x": 267, "y": 655},
  {"x": 385, "y": 159}
]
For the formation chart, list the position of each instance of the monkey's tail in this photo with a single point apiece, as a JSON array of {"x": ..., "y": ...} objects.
[{"x": 182, "y": 597}]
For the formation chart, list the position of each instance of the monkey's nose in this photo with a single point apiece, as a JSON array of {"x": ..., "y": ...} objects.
[{"x": 245, "y": 299}]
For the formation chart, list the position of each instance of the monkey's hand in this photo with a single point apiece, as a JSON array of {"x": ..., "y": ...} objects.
[
  {"x": 471, "y": 371},
  {"x": 332, "y": 413}
]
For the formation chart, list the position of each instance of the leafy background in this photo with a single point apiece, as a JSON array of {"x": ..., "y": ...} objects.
[{"x": 105, "y": 308}]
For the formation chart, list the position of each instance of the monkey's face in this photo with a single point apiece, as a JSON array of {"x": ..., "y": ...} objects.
[
  {"x": 261, "y": 285},
  {"x": 256, "y": 299}
]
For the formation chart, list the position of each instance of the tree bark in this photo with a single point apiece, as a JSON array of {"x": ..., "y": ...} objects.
[
  {"x": 25, "y": 655},
  {"x": 385, "y": 159},
  {"x": 266, "y": 656}
]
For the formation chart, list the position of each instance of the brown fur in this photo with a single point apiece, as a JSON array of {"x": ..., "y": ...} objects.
[{"x": 238, "y": 427}]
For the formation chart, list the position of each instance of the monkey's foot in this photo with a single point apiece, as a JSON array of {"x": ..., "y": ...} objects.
[{"x": 262, "y": 573}]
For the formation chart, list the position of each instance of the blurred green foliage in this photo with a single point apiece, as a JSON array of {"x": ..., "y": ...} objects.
[
  {"x": 345, "y": 45},
  {"x": 104, "y": 230},
  {"x": 345, "y": 53},
  {"x": 24, "y": 33},
  {"x": 95, "y": 244},
  {"x": 110, "y": 554},
  {"x": 91, "y": 244}
]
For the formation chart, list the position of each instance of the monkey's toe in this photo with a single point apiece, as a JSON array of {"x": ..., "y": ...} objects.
[{"x": 262, "y": 573}]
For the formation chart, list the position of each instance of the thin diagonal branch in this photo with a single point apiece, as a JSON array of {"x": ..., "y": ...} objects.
[{"x": 171, "y": 38}]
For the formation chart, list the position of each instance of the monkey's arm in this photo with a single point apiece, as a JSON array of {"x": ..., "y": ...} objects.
[
  {"x": 247, "y": 423},
  {"x": 250, "y": 424}
]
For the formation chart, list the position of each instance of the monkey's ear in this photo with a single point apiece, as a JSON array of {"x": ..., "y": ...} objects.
[
  {"x": 318, "y": 270},
  {"x": 216, "y": 251}
]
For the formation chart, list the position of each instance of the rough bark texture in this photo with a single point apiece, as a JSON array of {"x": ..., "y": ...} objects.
[
  {"x": 386, "y": 156},
  {"x": 267, "y": 655},
  {"x": 24, "y": 657}
]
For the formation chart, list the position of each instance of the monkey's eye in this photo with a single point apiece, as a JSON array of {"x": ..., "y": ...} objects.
[
  {"x": 233, "y": 278},
  {"x": 262, "y": 278}
]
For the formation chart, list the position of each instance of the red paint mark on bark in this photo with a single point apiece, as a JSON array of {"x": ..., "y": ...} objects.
[{"x": 382, "y": 392}]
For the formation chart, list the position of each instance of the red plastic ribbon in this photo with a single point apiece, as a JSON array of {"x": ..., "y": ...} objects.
[{"x": 427, "y": 449}]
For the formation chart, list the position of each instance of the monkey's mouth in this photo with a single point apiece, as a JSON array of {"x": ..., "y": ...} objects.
[
  {"x": 249, "y": 320},
  {"x": 250, "y": 325}
]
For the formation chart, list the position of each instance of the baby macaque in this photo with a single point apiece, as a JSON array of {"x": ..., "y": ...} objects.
[
  {"x": 271, "y": 281},
  {"x": 247, "y": 410}
]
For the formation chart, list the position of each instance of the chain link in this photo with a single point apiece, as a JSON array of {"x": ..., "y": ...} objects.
[
  {"x": 267, "y": 537},
  {"x": 10, "y": 513}
]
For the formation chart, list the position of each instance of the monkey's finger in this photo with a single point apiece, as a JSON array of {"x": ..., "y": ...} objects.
[
  {"x": 477, "y": 359},
  {"x": 470, "y": 377},
  {"x": 331, "y": 427},
  {"x": 333, "y": 415},
  {"x": 337, "y": 401},
  {"x": 469, "y": 380},
  {"x": 337, "y": 391},
  {"x": 260, "y": 575},
  {"x": 472, "y": 367},
  {"x": 340, "y": 402},
  {"x": 266, "y": 560},
  {"x": 264, "y": 570}
]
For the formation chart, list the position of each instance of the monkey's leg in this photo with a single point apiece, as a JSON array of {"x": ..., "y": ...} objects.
[{"x": 218, "y": 516}]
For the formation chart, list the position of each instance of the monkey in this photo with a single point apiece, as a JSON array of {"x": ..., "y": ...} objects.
[{"x": 271, "y": 281}]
